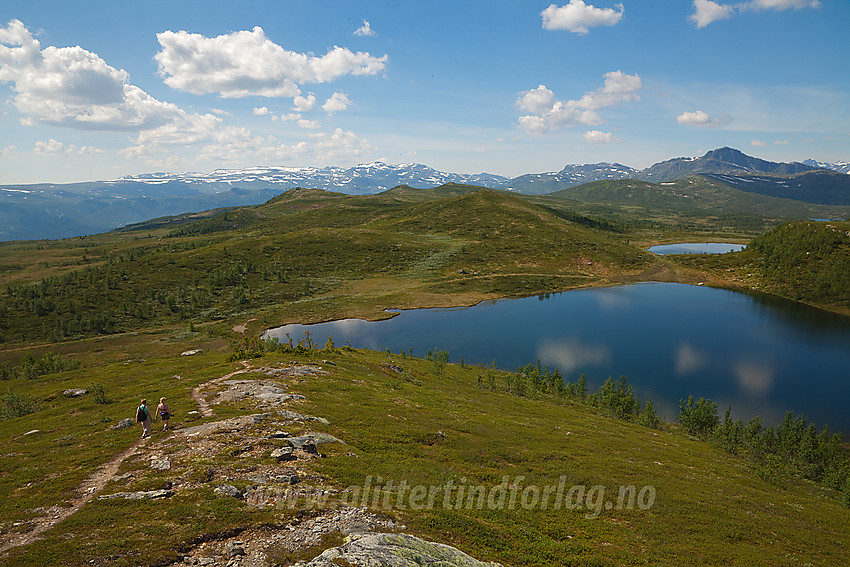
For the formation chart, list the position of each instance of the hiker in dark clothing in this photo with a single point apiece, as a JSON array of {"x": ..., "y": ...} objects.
[{"x": 143, "y": 416}]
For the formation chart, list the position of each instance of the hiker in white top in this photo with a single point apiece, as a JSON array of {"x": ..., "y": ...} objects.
[{"x": 163, "y": 413}]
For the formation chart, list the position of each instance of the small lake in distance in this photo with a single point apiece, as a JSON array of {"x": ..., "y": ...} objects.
[
  {"x": 762, "y": 355},
  {"x": 696, "y": 248}
]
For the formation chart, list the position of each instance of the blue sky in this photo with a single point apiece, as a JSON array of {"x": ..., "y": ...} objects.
[{"x": 97, "y": 90}]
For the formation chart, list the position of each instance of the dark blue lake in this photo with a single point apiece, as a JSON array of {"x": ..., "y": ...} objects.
[{"x": 762, "y": 355}]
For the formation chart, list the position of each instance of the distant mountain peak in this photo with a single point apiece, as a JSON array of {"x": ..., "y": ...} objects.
[
  {"x": 839, "y": 166},
  {"x": 724, "y": 160}
]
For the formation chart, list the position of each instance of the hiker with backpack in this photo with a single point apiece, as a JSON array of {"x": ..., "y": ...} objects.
[{"x": 143, "y": 416}]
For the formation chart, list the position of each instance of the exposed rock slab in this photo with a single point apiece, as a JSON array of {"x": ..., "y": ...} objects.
[
  {"x": 147, "y": 494},
  {"x": 239, "y": 390},
  {"x": 123, "y": 424},
  {"x": 75, "y": 392},
  {"x": 233, "y": 424},
  {"x": 394, "y": 550}
]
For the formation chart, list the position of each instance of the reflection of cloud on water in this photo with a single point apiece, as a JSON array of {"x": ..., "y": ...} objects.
[
  {"x": 296, "y": 330},
  {"x": 753, "y": 376},
  {"x": 612, "y": 299},
  {"x": 347, "y": 325},
  {"x": 689, "y": 359},
  {"x": 569, "y": 354}
]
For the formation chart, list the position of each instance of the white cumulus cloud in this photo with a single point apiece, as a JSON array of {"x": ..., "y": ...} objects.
[
  {"x": 49, "y": 147},
  {"x": 336, "y": 103},
  {"x": 698, "y": 118},
  {"x": 365, "y": 30},
  {"x": 303, "y": 103},
  {"x": 342, "y": 144},
  {"x": 72, "y": 87},
  {"x": 701, "y": 118},
  {"x": 783, "y": 4},
  {"x": 262, "y": 111},
  {"x": 247, "y": 63},
  {"x": 578, "y": 17},
  {"x": 308, "y": 124},
  {"x": 599, "y": 137},
  {"x": 707, "y": 11},
  {"x": 55, "y": 147},
  {"x": 549, "y": 114}
]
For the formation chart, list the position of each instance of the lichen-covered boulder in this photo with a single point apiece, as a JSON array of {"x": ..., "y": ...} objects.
[{"x": 394, "y": 550}]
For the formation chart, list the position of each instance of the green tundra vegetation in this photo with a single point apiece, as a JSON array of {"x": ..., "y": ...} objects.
[
  {"x": 674, "y": 497},
  {"x": 310, "y": 255},
  {"x": 113, "y": 312}
]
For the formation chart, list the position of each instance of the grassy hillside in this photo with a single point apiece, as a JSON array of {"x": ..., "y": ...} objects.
[
  {"x": 697, "y": 193},
  {"x": 317, "y": 254},
  {"x": 402, "y": 420},
  {"x": 822, "y": 186},
  {"x": 805, "y": 261}
]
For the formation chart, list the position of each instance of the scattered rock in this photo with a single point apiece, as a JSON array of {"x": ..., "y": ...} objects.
[
  {"x": 239, "y": 450},
  {"x": 394, "y": 550},
  {"x": 394, "y": 368},
  {"x": 235, "y": 548},
  {"x": 309, "y": 441},
  {"x": 283, "y": 454},
  {"x": 162, "y": 464},
  {"x": 123, "y": 424},
  {"x": 291, "y": 479},
  {"x": 75, "y": 392},
  {"x": 280, "y": 435},
  {"x": 149, "y": 494},
  {"x": 229, "y": 490},
  {"x": 291, "y": 415}
]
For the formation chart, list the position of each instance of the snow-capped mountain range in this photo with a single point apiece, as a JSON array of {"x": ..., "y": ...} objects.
[
  {"x": 57, "y": 211},
  {"x": 839, "y": 166},
  {"x": 360, "y": 179}
]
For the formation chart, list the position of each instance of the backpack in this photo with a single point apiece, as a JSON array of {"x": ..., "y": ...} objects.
[{"x": 141, "y": 414}]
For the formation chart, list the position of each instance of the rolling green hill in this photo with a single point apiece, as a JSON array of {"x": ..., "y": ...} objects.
[
  {"x": 821, "y": 187},
  {"x": 309, "y": 252},
  {"x": 697, "y": 193}
]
